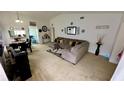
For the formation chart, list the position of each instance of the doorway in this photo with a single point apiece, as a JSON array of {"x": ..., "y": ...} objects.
[{"x": 33, "y": 33}]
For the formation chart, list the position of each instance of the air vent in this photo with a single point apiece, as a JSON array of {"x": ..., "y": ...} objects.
[
  {"x": 82, "y": 17},
  {"x": 32, "y": 23}
]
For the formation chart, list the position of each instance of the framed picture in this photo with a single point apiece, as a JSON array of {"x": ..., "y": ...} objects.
[
  {"x": 71, "y": 30},
  {"x": 44, "y": 28},
  {"x": 32, "y": 23}
]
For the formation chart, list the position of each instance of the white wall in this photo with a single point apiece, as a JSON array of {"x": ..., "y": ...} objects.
[
  {"x": 89, "y": 23},
  {"x": 119, "y": 44},
  {"x": 119, "y": 72},
  {"x": 3, "y": 76},
  {"x": 1, "y": 34},
  {"x": 8, "y": 20}
]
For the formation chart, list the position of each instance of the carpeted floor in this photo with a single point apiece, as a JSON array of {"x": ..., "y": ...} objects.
[{"x": 46, "y": 66}]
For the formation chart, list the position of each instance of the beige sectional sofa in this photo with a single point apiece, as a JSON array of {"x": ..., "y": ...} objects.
[{"x": 72, "y": 50}]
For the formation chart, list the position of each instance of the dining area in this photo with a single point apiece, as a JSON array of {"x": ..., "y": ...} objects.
[{"x": 21, "y": 44}]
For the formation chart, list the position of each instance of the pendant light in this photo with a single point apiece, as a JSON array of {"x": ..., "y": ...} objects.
[{"x": 18, "y": 19}]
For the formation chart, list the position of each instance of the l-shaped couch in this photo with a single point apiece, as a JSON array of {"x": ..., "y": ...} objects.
[{"x": 72, "y": 50}]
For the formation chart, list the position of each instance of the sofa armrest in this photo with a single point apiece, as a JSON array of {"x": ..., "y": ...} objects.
[
  {"x": 75, "y": 54},
  {"x": 65, "y": 51},
  {"x": 69, "y": 56}
]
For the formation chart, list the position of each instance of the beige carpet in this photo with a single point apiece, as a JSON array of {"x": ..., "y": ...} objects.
[{"x": 46, "y": 66}]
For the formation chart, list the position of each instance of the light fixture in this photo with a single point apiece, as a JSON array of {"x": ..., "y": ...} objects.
[
  {"x": 18, "y": 19},
  {"x": 21, "y": 21}
]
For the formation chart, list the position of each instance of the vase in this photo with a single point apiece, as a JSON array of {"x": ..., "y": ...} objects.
[{"x": 98, "y": 48}]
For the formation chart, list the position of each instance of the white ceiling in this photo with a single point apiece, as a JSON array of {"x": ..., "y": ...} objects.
[{"x": 43, "y": 15}]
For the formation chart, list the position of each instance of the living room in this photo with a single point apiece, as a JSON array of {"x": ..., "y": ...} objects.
[{"x": 102, "y": 30}]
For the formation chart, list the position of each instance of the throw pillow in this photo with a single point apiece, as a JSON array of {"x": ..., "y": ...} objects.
[
  {"x": 70, "y": 43},
  {"x": 58, "y": 41},
  {"x": 61, "y": 41},
  {"x": 73, "y": 43}
]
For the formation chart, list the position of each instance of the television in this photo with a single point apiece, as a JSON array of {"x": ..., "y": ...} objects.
[{"x": 71, "y": 30}]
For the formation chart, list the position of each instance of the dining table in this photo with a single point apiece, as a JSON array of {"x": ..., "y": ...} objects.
[{"x": 21, "y": 44}]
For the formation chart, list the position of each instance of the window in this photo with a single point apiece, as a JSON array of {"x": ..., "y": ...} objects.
[
  {"x": 15, "y": 33},
  {"x": 20, "y": 33}
]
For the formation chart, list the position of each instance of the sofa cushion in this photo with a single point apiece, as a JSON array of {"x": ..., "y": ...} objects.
[
  {"x": 65, "y": 46},
  {"x": 70, "y": 43},
  {"x": 85, "y": 43},
  {"x": 66, "y": 42},
  {"x": 78, "y": 42},
  {"x": 73, "y": 43},
  {"x": 76, "y": 48},
  {"x": 61, "y": 41}
]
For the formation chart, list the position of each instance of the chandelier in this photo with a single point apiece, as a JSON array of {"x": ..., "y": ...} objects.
[{"x": 18, "y": 19}]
